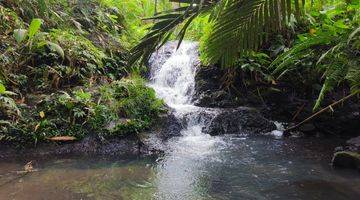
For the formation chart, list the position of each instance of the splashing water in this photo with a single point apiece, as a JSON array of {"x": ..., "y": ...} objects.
[{"x": 173, "y": 79}]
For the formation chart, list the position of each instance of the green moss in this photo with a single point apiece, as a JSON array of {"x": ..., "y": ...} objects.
[{"x": 116, "y": 109}]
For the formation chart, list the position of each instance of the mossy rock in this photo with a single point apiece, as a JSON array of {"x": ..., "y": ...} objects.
[{"x": 346, "y": 159}]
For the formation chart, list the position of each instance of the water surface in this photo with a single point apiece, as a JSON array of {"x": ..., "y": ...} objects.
[{"x": 227, "y": 167}]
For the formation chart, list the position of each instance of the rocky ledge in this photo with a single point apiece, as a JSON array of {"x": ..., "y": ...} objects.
[
  {"x": 165, "y": 127},
  {"x": 279, "y": 102}
]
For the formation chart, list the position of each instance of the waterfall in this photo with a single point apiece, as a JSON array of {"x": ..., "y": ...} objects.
[{"x": 172, "y": 76}]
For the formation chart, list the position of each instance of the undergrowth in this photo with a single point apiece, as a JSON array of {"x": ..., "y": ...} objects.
[
  {"x": 313, "y": 56},
  {"x": 119, "y": 108},
  {"x": 63, "y": 72}
]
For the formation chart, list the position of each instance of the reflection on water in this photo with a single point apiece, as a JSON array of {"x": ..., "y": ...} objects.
[{"x": 225, "y": 168}]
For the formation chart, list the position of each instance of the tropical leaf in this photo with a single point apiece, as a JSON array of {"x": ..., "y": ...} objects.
[
  {"x": 2, "y": 88},
  {"x": 20, "y": 35},
  {"x": 57, "y": 49},
  {"x": 237, "y": 26},
  {"x": 34, "y": 27}
]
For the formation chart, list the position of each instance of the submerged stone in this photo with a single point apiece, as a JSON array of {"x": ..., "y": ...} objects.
[{"x": 346, "y": 159}]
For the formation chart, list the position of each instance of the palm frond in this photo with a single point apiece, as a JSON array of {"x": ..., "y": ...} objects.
[
  {"x": 166, "y": 22},
  {"x": 241, "y": 26},
  {"x": 237, "y": 26}
]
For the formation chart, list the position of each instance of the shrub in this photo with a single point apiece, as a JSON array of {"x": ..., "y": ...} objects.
[{"x": 116, "y": 109}]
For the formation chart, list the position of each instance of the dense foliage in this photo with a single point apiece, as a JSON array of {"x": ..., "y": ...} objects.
[
  {"x": 67, "y": 67},
  {"x": 304, "y": 43},
  {"x": 63, "y": 71}
]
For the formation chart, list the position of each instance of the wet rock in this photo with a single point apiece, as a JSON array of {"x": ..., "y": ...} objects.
[
  {"x": 239, "y": 120},
  {"x": 337, "y": 149},
  {"x": 353, "y": 144},
  {"x": 166, "y": 126},
  {"x": 343, "y": 120},
  {"x": 208, "y": 89},
  {"x": 309, "y": 127},
  {"x": 349, "y": 155},
  {"x": 346, "y": 159}
]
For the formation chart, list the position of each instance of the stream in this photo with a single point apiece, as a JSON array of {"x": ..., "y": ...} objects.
[{"x": 195, "y": 166}]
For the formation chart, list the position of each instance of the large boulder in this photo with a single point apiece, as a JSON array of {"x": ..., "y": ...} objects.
[
  {"x": 238, "y": 121},
  {"x": 346, "y": 159},
  {"x": 349, "y": 155}
]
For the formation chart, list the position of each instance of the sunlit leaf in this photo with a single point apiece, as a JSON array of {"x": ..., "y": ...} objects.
[
  {"x": 2, "y": 89},
  {"x": 42, "y": 114},
  {"x": 34, "y": 27}
]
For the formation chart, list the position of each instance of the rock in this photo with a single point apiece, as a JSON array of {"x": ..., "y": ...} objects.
[
  {"x": 239, "y": 120},
  {"x": 308, "y": 127},
  {"x": 91, "y": 145},
  {"x": 166, "y": 126},
  {"x": 208, "y": 89},
  {"x": 354, "y": 144},
  {"x": 338, "y": 149},
  {"x": 346, "y": 159},
  {"x": 349, "y": 155}
]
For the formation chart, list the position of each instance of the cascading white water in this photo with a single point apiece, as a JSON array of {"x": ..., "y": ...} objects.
[
  {"x": 174, "y": 81},
  {"x": 172, "y": 77}
]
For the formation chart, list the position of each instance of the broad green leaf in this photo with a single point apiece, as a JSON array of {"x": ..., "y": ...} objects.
[
  {"x": 57, "y": 49},
  {"x": 2, "y": 89},
  {"x": 20, "y": 35},
  {"x": 34, "y": 27}
]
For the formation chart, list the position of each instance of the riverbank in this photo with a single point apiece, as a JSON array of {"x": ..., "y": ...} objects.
[{"x": 223, "y": 111}]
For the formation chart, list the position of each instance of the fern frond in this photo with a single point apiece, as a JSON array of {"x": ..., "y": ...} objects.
[
  {"x": 333, "y": 75},
  {"x": 286, "y": 59},
  {"x": 353, "y": 77}
]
